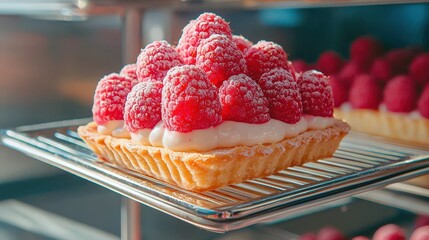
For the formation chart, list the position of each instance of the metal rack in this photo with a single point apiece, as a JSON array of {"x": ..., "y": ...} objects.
[
  {"x": 361, "y": 163},
  {"x": 410, "y": 189}
]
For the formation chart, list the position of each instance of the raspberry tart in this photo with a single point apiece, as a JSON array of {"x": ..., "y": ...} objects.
[
  {"x": 213, "y": 113},
  {"x": 396, "y": 112},
  {"x": 385, "y": 94}
]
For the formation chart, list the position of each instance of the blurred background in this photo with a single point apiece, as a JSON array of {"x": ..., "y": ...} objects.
[{"x": 49, "y": 69}]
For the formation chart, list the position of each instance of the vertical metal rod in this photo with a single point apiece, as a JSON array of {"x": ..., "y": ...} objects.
[
  {"x": 131, "y": 45},
  {"x": 130, "y": 219},
  {"x": 131, "y": 35}
]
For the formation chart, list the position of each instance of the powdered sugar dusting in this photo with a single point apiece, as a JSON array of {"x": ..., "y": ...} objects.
[
  {"x": 143, "y": 106},
  {"x": 220, "y": 58},
  {"x": 264, "y": 56},
  {"x": 189, "y": 100},
  {"x": 109, "y": 98},
  {"x": 283, "y": 95},
  {"x": 130, "y": 72},
  {"x": 316, "y": 94},
  {"x": 267, "y": 151},
  {"x": 155, "y": 60},
  {"x": 242, "y": 100},
  {"x": 203, "y": 27},
  {"x": 248, "y": 152},
  {"x": 242, "y": 43}
]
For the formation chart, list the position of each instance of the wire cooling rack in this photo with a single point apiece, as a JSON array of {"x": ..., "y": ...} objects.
[{"x": 361, "y": 163}]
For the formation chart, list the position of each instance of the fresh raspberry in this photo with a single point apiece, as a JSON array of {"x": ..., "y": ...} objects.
[
  {"x": 189, "y": 100},
  {"x": 349, "y": 72},
  {"x": 109, "y": 98},
  {"x": 300, "y": 66},
  {"x": 400, "y": 94},
  {"x": 143, "y": 106},
  {"x": 360, "y": 238},
  {"x": 364, "y": 50},
  {"x": 242, "y": 100},
  {"x": 330, "y": 233},
  {"x": 423, "y": 104},
  {"x": 419, "y": 69},
  {"x": 401, "y": 58},
  {"x": 329, "y": 62},
  {"x": 308, "y": 236},
  {"x": 365, "y": 92},
  {"x": 220, "y": 58},
  {"x": 316, "y": 94},
  {"x": 389, "y": 232},
  {"x": 339, "y": 91},
  {"x": 282, "y": 92},
  {"x": 382, "y": 70},
  {"x": 130, "y": 72},
  {"x": 264, "y": 56},
  {"x": 421, "y": 221},
  {"x": 292, "y": 71},
  {"x": 242, "y": 43},
  {"x": 155, "y": 60},
  {"x": 203, "y": 27},
  {"x": 421, "y": 233}
]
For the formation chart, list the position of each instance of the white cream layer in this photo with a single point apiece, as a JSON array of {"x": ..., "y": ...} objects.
[
  {"x": 226, "y": 134},
  {"x": 114, "y": 128}
]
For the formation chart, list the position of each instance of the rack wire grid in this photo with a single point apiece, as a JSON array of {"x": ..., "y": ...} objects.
[{"x": 361, "y": 163}]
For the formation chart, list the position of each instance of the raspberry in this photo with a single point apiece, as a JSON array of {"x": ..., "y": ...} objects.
[
  {"x": 423, "y": 104},
  {"x": 292, "y": 71},
  {"x": 130, "y": 72},
  {"x": 339, "y": 91},
  {"x": 421, "y": 221},
  {"x": 242, "y": 100},
  {"x": 109, "y": 98},
  {"x": 203, "y": 27},
  {"x": 400, "y": 59},
  {"x": 143, "y": 106},
  {"x": 220, "y": 58},
  {"x": 300, "y": 66},
  {"x": 330, "y": 233},
  {"x": 364, "y": 50},
  {"x": 264, "y": 56},
  {"x": 242, "y": 43},
  {"x": 419, "y": 69},
  {"x": 421, "y": 233},
  {"x": 349, "y": 72},
  {"x": 189, "y": 100},
  {"x": 308, "y": 236},
  {"x": 381, "y": 70},
  {"x": 282, "y": 92},
  {"x": 330, "y": 62},
  {"x": 365, "y": 92},
  {"x": 400, "y": 94},
  {"x": 389, "y": 232},
  {"x": 155, "y": 60},
  {"x": 316, "y": 94},
  {"x": 360, "y": 238}
]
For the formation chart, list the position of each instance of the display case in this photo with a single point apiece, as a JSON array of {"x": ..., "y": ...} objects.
[{"x": 347, "y": 180}]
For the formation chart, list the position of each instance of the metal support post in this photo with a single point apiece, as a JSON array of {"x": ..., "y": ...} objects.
[
  {"x": 131, "y": 45},
  {"x": 131, "y": 35},
  {"x": 130, "y": 219}
]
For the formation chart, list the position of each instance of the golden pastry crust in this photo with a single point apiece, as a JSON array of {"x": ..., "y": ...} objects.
[
  {"x": 201, "y": 171},
  {"x": 387, "y": 124}
]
